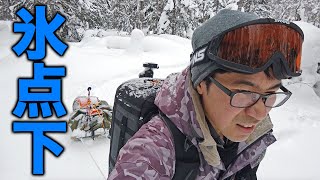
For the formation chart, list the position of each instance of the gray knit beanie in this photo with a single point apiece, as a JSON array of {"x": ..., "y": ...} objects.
[{"x": 223, "y": 21}]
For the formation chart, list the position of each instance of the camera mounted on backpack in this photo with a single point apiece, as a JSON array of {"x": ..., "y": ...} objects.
[{"x": 148, "y": 70}]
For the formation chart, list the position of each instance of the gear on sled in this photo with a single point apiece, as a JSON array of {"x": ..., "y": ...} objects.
[{"x": 91, "y": 117}]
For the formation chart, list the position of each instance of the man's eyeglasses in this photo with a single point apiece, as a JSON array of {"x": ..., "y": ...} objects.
[{"x": 243, "y": 99}]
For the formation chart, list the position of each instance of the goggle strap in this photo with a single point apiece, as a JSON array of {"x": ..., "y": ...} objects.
[
  {"x": 199, "y": 55},
  {"x": 196, "y": 50},
  {"x": 279, "y": 67}
]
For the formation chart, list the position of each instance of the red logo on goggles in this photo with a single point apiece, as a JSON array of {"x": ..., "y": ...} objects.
[{"x": 254, "y": 46}]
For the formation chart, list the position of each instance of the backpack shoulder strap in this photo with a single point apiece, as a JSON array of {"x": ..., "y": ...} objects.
[{"x": 187, "y": 155}]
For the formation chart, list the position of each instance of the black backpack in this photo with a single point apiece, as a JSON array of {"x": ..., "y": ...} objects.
[{"x": 133, "y": 107}]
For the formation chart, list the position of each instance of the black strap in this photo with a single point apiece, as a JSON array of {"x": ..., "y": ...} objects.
[
  {"x": 187, "y": 155},
  {"x": 247, "y": 173}
]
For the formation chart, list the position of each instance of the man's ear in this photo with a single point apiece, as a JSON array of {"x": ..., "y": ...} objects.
[{"x": 201, "y": 87}]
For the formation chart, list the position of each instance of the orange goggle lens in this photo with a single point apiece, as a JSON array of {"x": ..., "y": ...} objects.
[{"x": 253, "y": 46}]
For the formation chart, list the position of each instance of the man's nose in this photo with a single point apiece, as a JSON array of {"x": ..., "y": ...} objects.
[{"x": 258, "y": 111}]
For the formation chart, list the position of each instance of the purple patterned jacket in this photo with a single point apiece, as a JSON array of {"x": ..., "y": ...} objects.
[{"x": 150, "y": 153}]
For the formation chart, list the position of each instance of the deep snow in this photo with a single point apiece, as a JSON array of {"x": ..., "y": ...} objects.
[{"x": 104, "y": 63}]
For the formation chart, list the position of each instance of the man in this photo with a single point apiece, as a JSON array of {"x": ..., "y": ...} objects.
[{"x": 221, "y": 102}]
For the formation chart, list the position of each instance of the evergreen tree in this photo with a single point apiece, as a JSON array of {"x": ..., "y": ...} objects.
[
  {"x": 178, "y": 17},
  {"x": 262, "y": 8}
]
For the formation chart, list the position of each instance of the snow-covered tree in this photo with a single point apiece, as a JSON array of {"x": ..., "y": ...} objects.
[
  {"x": 178, "y": 17},
  {"x": 181, "y": 17},
  {"x": 152, "y": 10},
  {"x": 311, "y": 12},
  {"x": 130, "y": 14},
  {"x": 228, "y": 4},
  {"x": 80, "y": 14},
  {"x": 262, "y": 8}
]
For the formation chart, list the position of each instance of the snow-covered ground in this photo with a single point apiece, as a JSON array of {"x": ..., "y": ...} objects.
[{"x": 104, "y": 63}]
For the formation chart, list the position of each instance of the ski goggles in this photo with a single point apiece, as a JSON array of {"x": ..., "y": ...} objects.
[{"x": 256, "y": 45}]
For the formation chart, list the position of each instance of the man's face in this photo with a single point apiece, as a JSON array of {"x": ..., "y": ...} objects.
[{"x": 236, "y": 124}]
